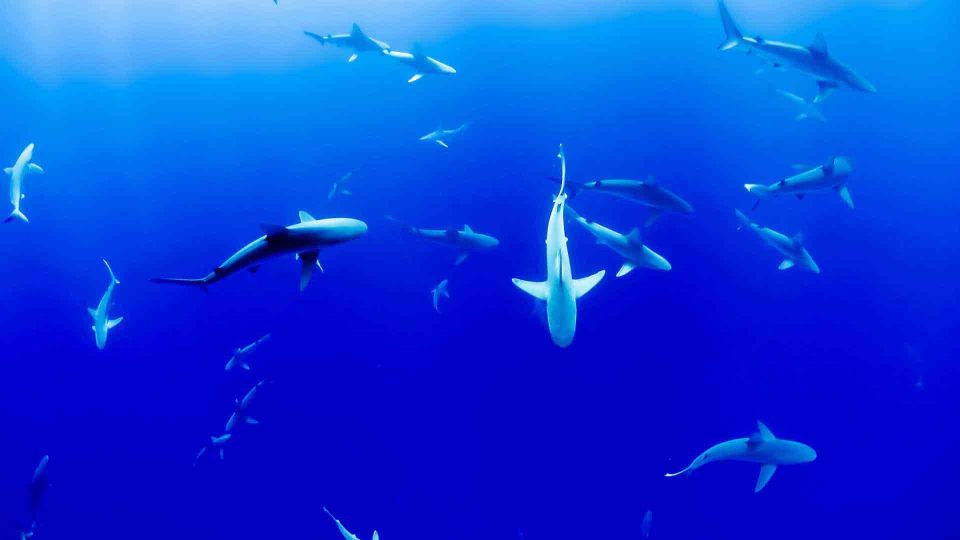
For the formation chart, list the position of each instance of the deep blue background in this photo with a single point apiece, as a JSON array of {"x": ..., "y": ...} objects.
[{"x": 471, "y": 424}]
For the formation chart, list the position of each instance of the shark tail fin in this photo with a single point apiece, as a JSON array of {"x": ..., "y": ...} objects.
[
  {"x": 16, "y": 214},
  {"x": 734, "y": 37},
  {"x": 113, "y": 278},
  {"x": 199, "y": 283}
]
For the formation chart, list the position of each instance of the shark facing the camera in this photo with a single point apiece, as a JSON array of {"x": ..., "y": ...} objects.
[
  {"x": 304, "y": 239},
  {"x": 560, "y": 290},
  {"x": 813, "y": 60},
  {"x": 791, "y": 248},
  {"x": 762, "y": 447},
  {"x": 831, "y": 175},
  {"x": 420, "y": 63},
  {"x": 629, "y": 246},
  {"x": 443, "y": 136},
  {"x": 356, "y": 40},
  {"x": 466, "y": 241}
]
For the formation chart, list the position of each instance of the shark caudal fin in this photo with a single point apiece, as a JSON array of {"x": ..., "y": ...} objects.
[
  {"x": 16, "y": 214},
  {"x": 199, "y": 283},
  {"x": 734, "y": 37},
  {"x": 113, "y": 278}
]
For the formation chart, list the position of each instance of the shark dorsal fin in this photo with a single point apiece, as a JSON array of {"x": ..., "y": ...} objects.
[
  {"x": 417, "y": 51},
  {"x": 635, "y": 237},
  {"x": 819, "y": 46},
  {"x": 798, "y": 239},
  {"x": 764, "y": 432},
  {"x": 356, "y": 31},
  {"x": 650, "y": 181},
  {"x": 467, "y": 229},
  {"x": 828, "y": 167},
  {"x": 305, "y": 217}
]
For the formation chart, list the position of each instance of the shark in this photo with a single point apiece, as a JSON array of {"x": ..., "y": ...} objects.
[
  {"x": 216, "y": 444},
  {"x": 340, "y": 187},
  {"x": 833, "y": 174},
  {"x": 438, "y": 291},
  {"x": 240, "y": 410},
  {"x": 356, "y": 40},
  {"x": 466, "y": 240},
  {"x": 102, "y": 323},
  {"x": 347, "y": 535},
  {"x": 813, "y": 60},
  {"x": 629, "y": 246},
  {"x": 420, "y": 63},
  {"x": 23, "y": 166},
  {"x": 649, "y": 193},
  {"x": 762, "y": 447},
  {"x": 808, "y": 109},
  {"x": 560, "y": 290},
  {"x": 646, "y": 526},
  {"x": 304, "y": 239},
  {"x": 240, "y": 355},
  {"x": 791, "y": 248},
  {"x": 442, "y": 136}
]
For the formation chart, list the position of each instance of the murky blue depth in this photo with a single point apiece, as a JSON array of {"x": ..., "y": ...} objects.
[{"x": 169, "y": 132}]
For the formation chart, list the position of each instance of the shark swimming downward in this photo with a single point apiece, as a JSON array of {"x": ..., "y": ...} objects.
[
  {"x": 560, "y": 290},
  {"x": 102, "y": 323},
  {"x": 761, "y": 447},
  {"x": 17, "y": 173}
]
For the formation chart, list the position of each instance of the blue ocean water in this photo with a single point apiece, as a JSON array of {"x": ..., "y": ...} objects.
[{"x": 170, "y": 131}]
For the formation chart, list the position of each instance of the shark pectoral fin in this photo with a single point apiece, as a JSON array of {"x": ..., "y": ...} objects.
[
  {"x": 824, "y": 89},
  {"x": 112, "y": 323},
  {"x": 353, "y": 58},
  {"x": 415, "y": 78},
  {"x": 8, "y": 171},
  {"x": 308, "y": 261},
  {"x": 92, "y": 312},
  {"x": 221, "y": 454},
  {"x": 845, "y": 195},
  {"x": 626, "y": 269},
  {"x": 33, "y": 168},
  {"x": 766, "y": 473},
  {"x": 462, "y": 257},
  {"x": 346, "y": 192},
  {"x": 441, "y": 143},
  {"x": 536, "y": 289},
  {"x": 251, "y": 421},
  {"x": 583, "y": 285},
  {"x": 786, "y": 265}
]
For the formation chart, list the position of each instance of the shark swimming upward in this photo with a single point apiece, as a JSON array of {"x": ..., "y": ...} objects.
[{"x": 560, "y": 290}]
